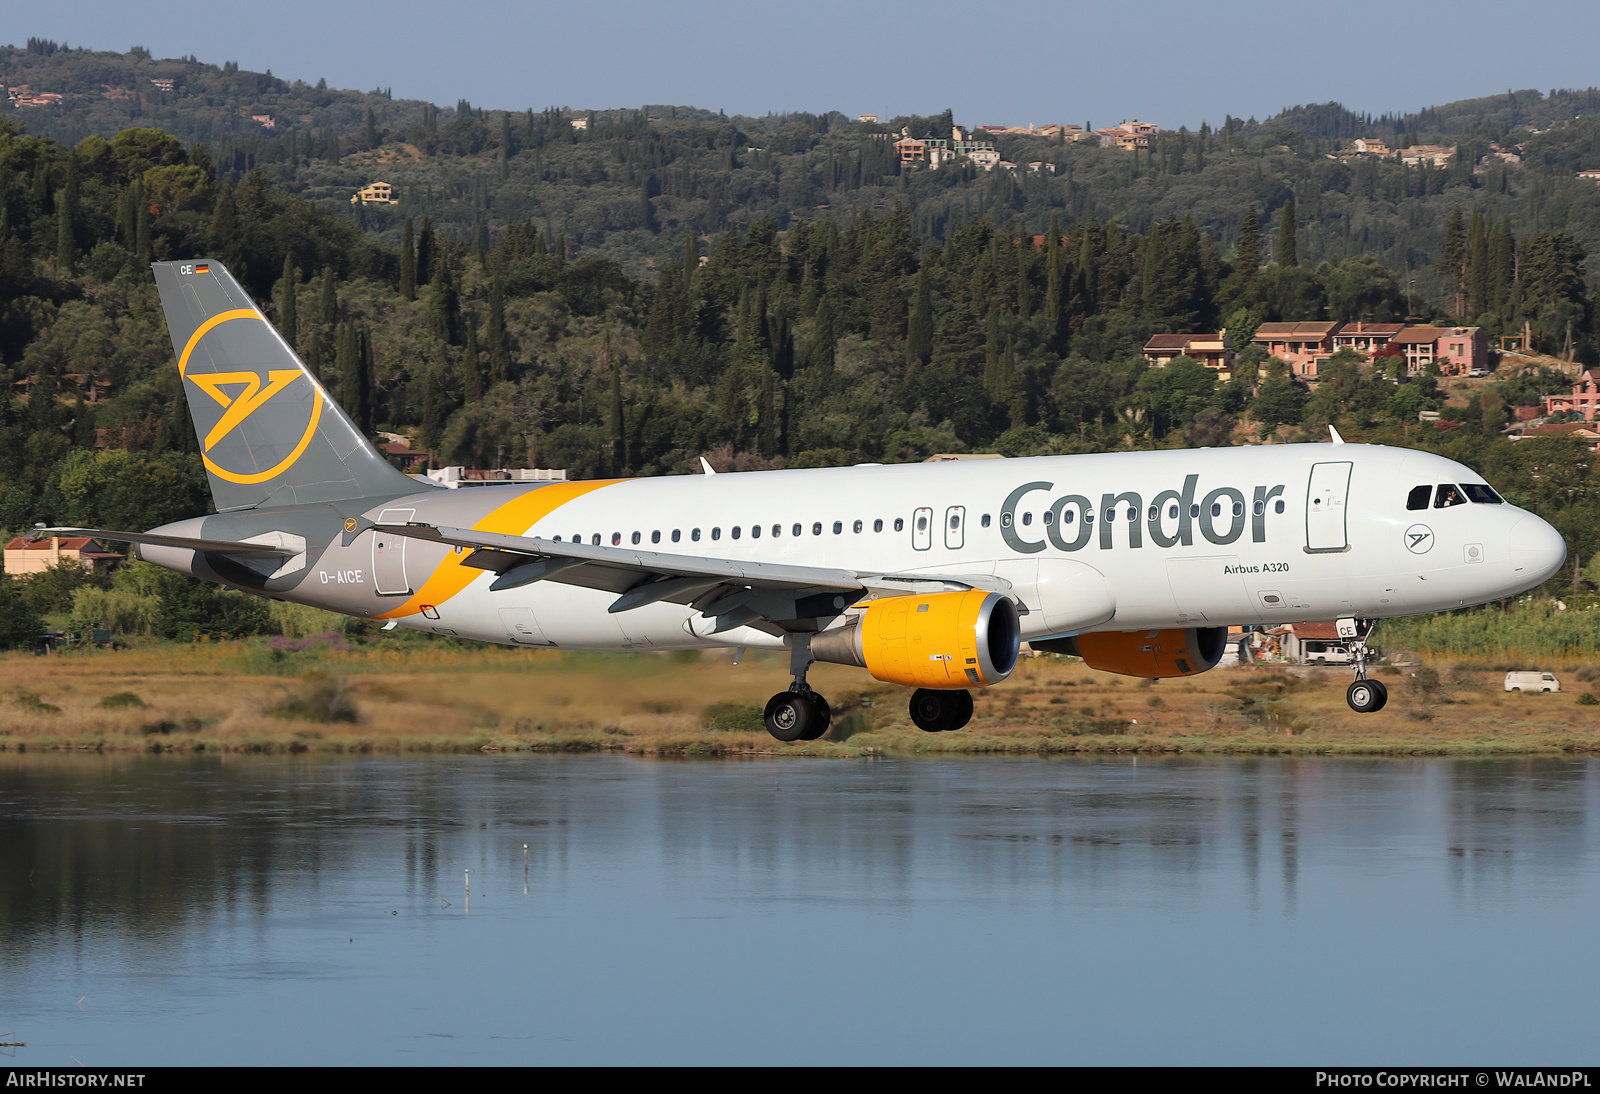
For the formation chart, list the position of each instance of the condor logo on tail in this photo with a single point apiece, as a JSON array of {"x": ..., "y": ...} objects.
[{"x": 240, "y": 395}]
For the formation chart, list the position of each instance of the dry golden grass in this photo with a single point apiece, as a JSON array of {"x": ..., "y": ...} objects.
[{"x": 221, "y": 697}]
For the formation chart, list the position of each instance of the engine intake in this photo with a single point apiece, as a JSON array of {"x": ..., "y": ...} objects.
[
  {"x": 1151, "y": 654},
  {"x": 944, "y": 640}
]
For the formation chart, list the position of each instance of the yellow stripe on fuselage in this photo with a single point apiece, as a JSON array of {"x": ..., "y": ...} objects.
[{"x": 513, "y": 518}]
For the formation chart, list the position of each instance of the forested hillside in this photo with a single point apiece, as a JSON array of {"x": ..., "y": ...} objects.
[{"x": 772, "y": 292}]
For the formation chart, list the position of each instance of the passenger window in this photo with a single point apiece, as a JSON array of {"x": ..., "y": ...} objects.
[
  {"x": 1238, "y": 508},
  {"x": 1048, "y": 516},
  {"x": 1153, "y": 513},
  {"x": 558, "y": 539},
  {"x": 838, "y": 526},
  {"x": 1068, "y": 515},
  {"x": 1194, "y": 511},
  {"x": 1447, "y": 495},
  {"x": 636, "y": 537},
  {"x": 795, "y": 531},
  {"x": 695, "y": 535},
  {"x": 877, "y": 525},
  {"x": 716, "y": 534},
  {"x": 857, "y": 526},
  {"x": 594, "y": 540},
  {"x": 899, "y": 524},
  {"x": 1027, "y": 518},
  {"x": 816, "y": 528},
  {"x": 1260, "y": 508},
  {"x": 655, "y": 537},
  {"x": 1133, "y": 514},
  {"x": 616, "y": 539},
  {"x": 676, "y": 535},
  {"x": 1277, "y": 506},
  {"x": 1216, "y": 508},
  {"x": 1172, "y": 511},
  {"x": 735, "y": 532},
  {"x": 1111, "y": 515},
  {"x": 755, "y": 531},
  {"x": 1418, "y": 498},
  {"x": 777, "y": 530},
  {"x": 985, "y": 521}
]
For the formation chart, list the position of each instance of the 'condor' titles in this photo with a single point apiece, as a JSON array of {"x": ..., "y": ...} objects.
[{"x": 1169, "y": 519}]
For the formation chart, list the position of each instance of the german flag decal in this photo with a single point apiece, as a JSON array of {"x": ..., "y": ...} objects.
[{"x": 202, "y": 268}]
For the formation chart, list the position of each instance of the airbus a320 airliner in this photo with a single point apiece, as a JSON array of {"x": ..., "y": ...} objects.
[{"x": 927, "y": 575}]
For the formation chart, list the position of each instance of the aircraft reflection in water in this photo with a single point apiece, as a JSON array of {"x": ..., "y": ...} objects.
[{"x": 927, "y": 575}]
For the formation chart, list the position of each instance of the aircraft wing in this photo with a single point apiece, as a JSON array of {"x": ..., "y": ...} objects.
[
  {"x": 732, "y": 592},
  {"x": 221, "y": 546}
]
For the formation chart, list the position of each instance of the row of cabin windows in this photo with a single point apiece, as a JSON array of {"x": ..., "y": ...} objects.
[
  {"x": 1069, "y": 514},
  {"x": 1048, "y": 517},
  {"x": 737, "y": 531},
  {"x": 1447, "y": 494}
]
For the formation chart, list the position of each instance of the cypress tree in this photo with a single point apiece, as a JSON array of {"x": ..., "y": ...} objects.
[
  {"x": 66, "y": 220},
  {"x": 1247, "y": 258},
  {"x": 1452, "y": 264},
  {"x": 347, "y": 360},
  {"x": 1286, "y": 250},
  {"x": 225, "y": 233},
  {"x": 408, "y": 262},
  {"x": 444, "y": 305},
  {"x": 366, "y": 375},
  {"x": 619, "y": 445},
  {"x": 472, "y": 367},
  {"x": 288, "y": 303},
  {"x": 141, "y": 231},
  {"x": 499, "y": 351},
  {"x": 1478, "y": 263},
  {"x": 1502, "y": 265},
  {"x": 425, "y": 252},
  {"x": 919, "y": 331}
]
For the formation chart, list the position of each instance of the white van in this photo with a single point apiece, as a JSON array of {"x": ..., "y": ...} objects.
[{"x": 1531, "y": 681}]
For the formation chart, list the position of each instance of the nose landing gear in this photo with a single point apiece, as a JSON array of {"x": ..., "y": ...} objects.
[{"x": 1364, "y": 696}]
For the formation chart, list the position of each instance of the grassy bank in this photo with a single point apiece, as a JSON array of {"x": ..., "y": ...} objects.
[{"x": 234, "y": 697}]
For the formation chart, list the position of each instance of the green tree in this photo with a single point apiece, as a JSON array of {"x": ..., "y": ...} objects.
[{"x": 1287, "y": 255}]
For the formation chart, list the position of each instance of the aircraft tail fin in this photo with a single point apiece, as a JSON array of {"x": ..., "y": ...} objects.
[{"x": 270, "y": 434}]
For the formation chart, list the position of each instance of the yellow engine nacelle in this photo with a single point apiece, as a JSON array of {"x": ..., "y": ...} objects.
[
  {"x": 944, "y": 640},
  {"x": 1185, "y": 652}
]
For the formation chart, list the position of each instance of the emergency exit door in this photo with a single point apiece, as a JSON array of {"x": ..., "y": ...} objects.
[{"x": 389, "y": 555}]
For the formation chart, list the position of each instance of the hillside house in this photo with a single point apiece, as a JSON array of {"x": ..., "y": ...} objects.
[
  {"x": 1583, "y": 399},
  {"x": 1584, "y": 433},
  {"x": 35, "y": 557},
  {"x": 1367, "y": 338},
  {"x": 1302, "y": 346},
  {"x": 1434, "y": 155},
  {"x": 1214, "y": 351},
  {"x": 1592, "y": 174},
  {"x": 377, "y": 193}
]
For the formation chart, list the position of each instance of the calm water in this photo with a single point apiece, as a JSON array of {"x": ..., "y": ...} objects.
[{"x": 963, "y": 911}]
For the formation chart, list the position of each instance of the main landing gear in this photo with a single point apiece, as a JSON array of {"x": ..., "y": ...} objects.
[
  {"x": 800, "y": 714},
  {"x": 940, "y": 711},
  {"x": 1364, "y": 696}
]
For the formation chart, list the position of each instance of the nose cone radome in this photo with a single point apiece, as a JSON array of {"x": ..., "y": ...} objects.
[{"x": 1537, "y": 551}]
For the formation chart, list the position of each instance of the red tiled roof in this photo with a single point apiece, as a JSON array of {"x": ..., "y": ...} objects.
[
  {"x": 1297, "y": 330},
  {"x": 81, "y": 544},
  {"x": 1419, "y": 336},
  {"x": 1316, "y": 632}
]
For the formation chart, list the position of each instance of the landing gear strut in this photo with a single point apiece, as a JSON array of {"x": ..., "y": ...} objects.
[
  {"x": 1364, "y": 696},
  {"x": 940, "y": 711},
  {"x": 798, "y": 714}
]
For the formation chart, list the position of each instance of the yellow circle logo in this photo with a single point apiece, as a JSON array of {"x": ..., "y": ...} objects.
[{"x": 241, "y": 394}]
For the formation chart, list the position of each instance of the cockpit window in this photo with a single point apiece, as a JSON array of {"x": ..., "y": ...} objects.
[
  {"x": 1418, "y": 498},
  {"x": 1482, "y": 495},
  {"x": 1448, "y": 494}
]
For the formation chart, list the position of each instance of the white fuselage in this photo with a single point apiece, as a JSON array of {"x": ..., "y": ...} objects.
[{"x": 1118, "y": 541}]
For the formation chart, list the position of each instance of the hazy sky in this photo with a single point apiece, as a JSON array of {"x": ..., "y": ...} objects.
[{"x": 1004, "y": 61}]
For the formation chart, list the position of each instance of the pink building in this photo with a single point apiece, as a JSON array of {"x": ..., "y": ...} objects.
[
  {"x": 1302, "y": 345},
  {"x": 1584, "y": 398}
]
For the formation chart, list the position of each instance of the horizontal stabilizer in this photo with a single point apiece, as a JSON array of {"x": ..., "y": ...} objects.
[{"x": 220, "y": 546}]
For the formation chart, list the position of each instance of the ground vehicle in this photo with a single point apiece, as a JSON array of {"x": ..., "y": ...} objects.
[
  {"x": 1532, "y": 681},
  {"x": 1325, "y": 653}
]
